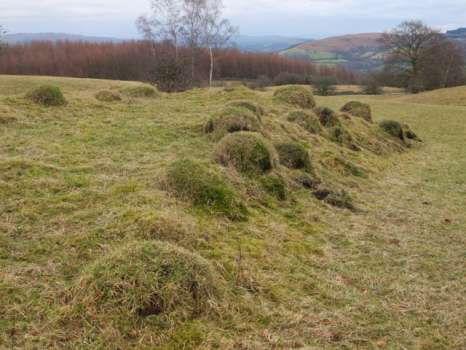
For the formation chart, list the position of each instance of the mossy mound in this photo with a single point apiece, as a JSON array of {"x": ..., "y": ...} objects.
[
  {"x": 249, "y": 105},
  {"x": 248, "y": 152},
  {"x": 340, "y": 198},
  {"x": 393, "y": 128},
  {"x": 47, "y": 95},
  {"x": 306, "y": 120},
  {"x": 296, "y": 96},
  {"x": 358, "y": 109},
  {"x": 107, "y": 96},
  {"x": 233, "y": 119},
  {"x": 275, "y": 186},
  {"x": 294, "y": 156},
  {"x": 193, "y": 181},
  {"x": 142, "y": 92},
  {"x": 327, "y": 117},
  {"x": 144, "y": 279}
]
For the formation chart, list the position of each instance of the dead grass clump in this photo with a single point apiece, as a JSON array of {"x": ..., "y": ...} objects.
[
  {"x": 358, "y": 109},
  {"x": 233, "y": 119},
  {"x": 47, "y": 95},
  {"x": 142, "y": 91},
  {"x": 193, "y": 181},
  {"x": 275, "y": 186},
  {"x": 306, "y": 120},
  {"x": 248, "y": 152},
  {"x": 294, "y": 156},
  {"x": 144, "y": 279},
  {"x": 107, "y": 96},
  {"x": 328, "y": 118},
  {"x": 296, "y": 96},
  {"x": 249, "y": 105},
  {"x": 339, "y": 198}
]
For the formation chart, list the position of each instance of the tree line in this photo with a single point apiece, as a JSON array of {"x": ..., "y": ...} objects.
[{"x": 134, "y": 60}]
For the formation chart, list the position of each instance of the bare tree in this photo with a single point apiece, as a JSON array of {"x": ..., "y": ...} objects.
[
  {"x": 408, "y": 44},
  {"x": 216, "y": 31},
  {"x": 196, "y": 24}
]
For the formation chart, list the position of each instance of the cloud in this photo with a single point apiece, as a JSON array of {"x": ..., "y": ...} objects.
[{"x": 292, "y": 17}]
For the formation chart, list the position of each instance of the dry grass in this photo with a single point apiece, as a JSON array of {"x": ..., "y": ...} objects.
[{"x": 80, "y": 184}]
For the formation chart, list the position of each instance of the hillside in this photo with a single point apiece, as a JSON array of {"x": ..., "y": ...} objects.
[
  {"x": 451, "y": 97},
  {"x": 355, "y": 51},
  {"x": 266, "y": 43},
  {"x": 132, "y": 219}
]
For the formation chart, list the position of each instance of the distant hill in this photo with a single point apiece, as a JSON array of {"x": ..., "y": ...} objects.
[
  {"x": 459, "y": 36},
  {"x": 355, "y": 51},
  {"x": 267, "y": 43},
  {"x": 24, "y": 38}
]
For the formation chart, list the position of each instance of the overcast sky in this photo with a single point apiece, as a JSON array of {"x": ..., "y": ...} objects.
[{"x": 303, "y": 18}]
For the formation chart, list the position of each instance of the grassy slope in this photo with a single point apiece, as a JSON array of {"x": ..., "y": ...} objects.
[
  {"x": 451, "y": 96},
  {"x": 76, "y": 181}
]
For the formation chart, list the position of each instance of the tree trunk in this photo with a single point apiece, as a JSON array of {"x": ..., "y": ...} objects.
[{"x": 211, "y": 73}]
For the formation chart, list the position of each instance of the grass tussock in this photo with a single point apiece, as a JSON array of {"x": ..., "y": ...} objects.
[
  {"x": 298, "y": 96},
  {"x": 143, "y": 279},
  {"x": 249, "y": 105},
  {"x": 249, "y": 153},
  {"x": 193, "y": 181},
  {"x": 358, "y": 109},
  {"x": 47, "y": 95},
  {"x": 233, "y": 119},
  {"x": 107, "y": 96},
  {"x": 328, "y": 118},
  {"x": 294, "y": 156},
  {"x": 307, "y": 120},
  {"x": 142, "y": 92},
  {"x": 393, "y": 128}
]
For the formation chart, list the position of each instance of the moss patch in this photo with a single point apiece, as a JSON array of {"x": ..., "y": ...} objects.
[
  {"x": 296, "y": 96},
  {"x": 193, "y": 181},
  {"x": 47, "y": 95},
  {"x": 248, "y": 152},
  {"x": 294, "y": 156},
  {"x": 306, "y": 120},
  {"x": 358, "y": 109}
]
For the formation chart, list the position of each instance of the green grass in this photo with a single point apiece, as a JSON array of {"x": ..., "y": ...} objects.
[{"x": 80, "y": 183}]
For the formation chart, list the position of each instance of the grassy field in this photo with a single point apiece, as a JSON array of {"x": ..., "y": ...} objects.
[{"x": 84, "y": 185}]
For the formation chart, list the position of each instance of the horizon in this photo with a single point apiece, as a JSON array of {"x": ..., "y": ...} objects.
[{"x": 314, "y": 19}]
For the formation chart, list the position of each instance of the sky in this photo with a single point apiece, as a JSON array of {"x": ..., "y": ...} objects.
[{"x": 299, "y": 18}]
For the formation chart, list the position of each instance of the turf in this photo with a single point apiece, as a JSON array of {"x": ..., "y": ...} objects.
[{"x": 81, "y": 182}]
